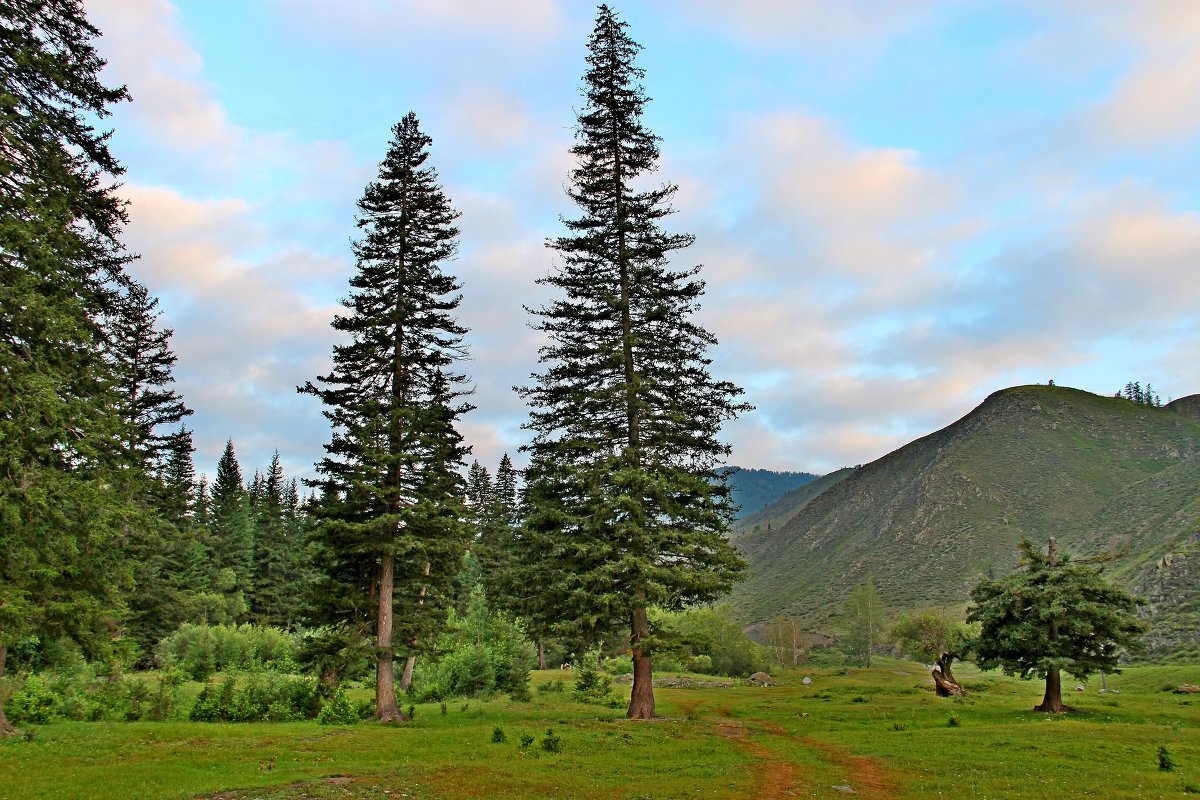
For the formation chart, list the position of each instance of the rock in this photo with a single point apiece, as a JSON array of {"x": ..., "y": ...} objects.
[
  {"x": 844, "y": 789},
  {"x": 1079, "y": 688},
  {"x": 807, "y": 680},
  {"x": 761, "y": 677},
  {"x": 1187, "y": 688}
]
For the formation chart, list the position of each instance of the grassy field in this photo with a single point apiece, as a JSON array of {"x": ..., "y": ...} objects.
[{"x": 880, "y": 733}]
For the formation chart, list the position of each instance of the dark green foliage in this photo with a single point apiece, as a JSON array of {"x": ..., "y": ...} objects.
[
  {"x": 1052, "y": 614},
  {"x": 231, "y": 529},
  {"x": 83, "y": 695},
  {"x": 526, "y": 740},
  {"x": 551, "y": 742},
  {"x": 553, "y": 687},
  {"x": 1165, "y": 762},
  {"x": 498, "y": 735},
  {"x": 954, "y": 721},
  {"x": 390, "y": 510},
  {"x": 64, "y": 503},
  {"x": 627, "y": 505}
]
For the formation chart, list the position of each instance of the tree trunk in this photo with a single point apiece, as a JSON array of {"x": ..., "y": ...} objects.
[
  {"x": 385, "y": 678},
  {"x": 6, "y": 728},
  {"x": 406, "y": 676},
  {"x": 1052, "y": 701},
  {"x": 541, "y": 654},
  {"x": 641, "y": 699},
  {"x": 943, "y": 679}
]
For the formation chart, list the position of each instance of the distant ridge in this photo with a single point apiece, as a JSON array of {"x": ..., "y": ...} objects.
[
  {"x": 1101, "y": 473},
  {"x": 755, "y": 489}
]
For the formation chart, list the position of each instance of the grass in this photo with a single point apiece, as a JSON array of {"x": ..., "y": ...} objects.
[{"x": 879, "y": 731}]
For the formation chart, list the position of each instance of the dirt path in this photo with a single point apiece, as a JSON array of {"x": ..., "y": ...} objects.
[{"x": 774, "y": 778}]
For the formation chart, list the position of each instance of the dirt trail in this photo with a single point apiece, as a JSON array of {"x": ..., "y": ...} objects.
[
  {"x": 774, "y": 778},
  {"x": 777, "y": 778}
]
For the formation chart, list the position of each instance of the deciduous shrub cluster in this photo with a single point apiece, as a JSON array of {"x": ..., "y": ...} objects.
[
  {"x": 201, "y": 650},
  {"x": 266, "y": 697}
]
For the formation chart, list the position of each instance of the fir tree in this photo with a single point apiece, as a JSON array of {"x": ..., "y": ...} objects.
[
  {"x": 180, "y": 488},
  {"x": 272, "y": 552},
  {"x": 391, "y": 508},
  {"x": 230, "y": 531},
  {"x": 1052, "y": 615},
  {"x": 143, "y": 361},
  {"x": 62, "y": 564},
  {"x": 628, "y": 508}
]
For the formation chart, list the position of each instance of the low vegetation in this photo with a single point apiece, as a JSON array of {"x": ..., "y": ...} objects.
[{"x": 881, "y": 732}]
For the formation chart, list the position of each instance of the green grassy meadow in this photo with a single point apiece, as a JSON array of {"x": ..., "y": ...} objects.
[{"x": 880, "y": 732}]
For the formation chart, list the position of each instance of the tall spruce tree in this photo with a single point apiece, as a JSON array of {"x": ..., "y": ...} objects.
[
  {"x": 62, "y": 564},
  {"x": 390, "y": 514},
  {"x": 142, "y": 359},
  {"x": 628, "y": 508},
  {"x": 231, "y": 531}
]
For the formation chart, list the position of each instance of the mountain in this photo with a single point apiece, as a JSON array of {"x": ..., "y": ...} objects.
[
  {"x": 1102, "y": 474},
  {"x": 778, "y": 513},
  {"x": 755, "y": 489}
]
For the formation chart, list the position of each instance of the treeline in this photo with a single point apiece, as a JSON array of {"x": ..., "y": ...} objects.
[{"x": 1134, "y": 393}]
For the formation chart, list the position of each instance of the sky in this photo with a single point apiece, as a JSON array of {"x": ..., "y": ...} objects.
[{"x": 900, "y": 206}]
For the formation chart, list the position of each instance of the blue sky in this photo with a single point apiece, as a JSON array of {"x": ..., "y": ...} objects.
[{"x": 900, "y": 206}]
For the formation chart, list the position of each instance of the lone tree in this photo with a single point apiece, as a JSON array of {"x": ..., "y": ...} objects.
[
  {"x": 628, "y": 508},
  {"x": 933, "y": 637},
  {"x": 1052, "y": 615},
  {"x": 390, "y": 514}
]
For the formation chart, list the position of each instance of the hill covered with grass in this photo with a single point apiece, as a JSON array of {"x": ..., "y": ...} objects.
[{"x": 925, "y": 522}]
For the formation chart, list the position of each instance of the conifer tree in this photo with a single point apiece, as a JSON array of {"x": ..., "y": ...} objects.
[
  {"x": 1052, "y": 615},
  {"x": 62, "y": 564},
  {"x": 391, "y": 508},
  {"x": 142, "y": 359},
  {"x": 272, "y": 552},
  {"x": 231, "y": 532},
  {"x": 628, "y": 508}
]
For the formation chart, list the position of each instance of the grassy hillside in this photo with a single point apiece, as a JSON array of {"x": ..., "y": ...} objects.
[
  {"x": 925, "y": 521},
  {"x": 755, "y": 489}
]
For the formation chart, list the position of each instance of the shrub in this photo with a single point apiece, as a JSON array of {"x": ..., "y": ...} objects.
[
  {"x": 201, "y": 650},
  {"x": 263, "y": 698},
  {"x": 1165, "y": 762},
  {"x": 498, "y": 735},
  {"x": 551, "y": 742},
  {"x": 590, "y": 685},
  {"x": 338, "y": 710},
  {"x": 619, "y": 665},
  {"x": 33, "y": 703},
  {"x": 701, "y": 664},
  {"x": 553, "y": 687},
  {"x": 526, "y": 739},
  {"x": 954, "y": 721}
]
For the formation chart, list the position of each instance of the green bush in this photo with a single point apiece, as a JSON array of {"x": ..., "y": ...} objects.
[
  {"x": 553, "y": 687},
  {"x": 498, "y": 735},
  {"x": 201, "y": 650},
  {"x": 551, "y": 742},
  {"x": 480, "y": 653},
  {"x": 33, "y": 702},
  {"x": 338, "y": 710},
  {"x": 619, "y": 665},
  {"x": 263, "y": 698},
  {"x": 590, "y": 685},
  {"x": 701, "y": 664}
]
